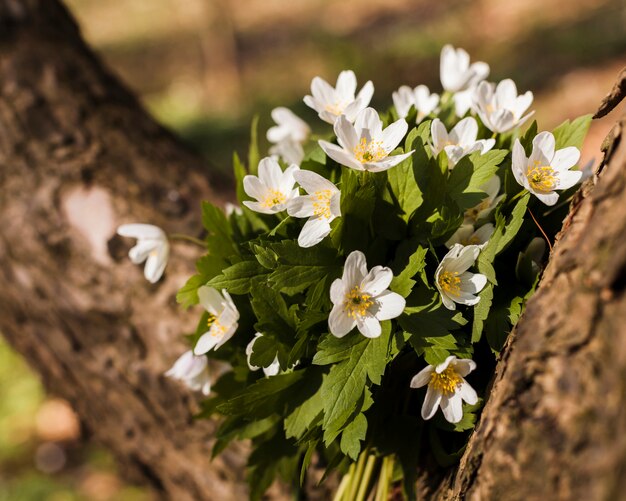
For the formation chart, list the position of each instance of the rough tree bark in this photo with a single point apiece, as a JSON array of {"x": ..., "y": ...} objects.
[{"x": 78, "y": 156}]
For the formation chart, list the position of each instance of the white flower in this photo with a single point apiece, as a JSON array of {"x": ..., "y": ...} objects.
[
  {"x": 360, "y": 298},
  {"x": 320, "y": 205},
  {"x": 331, "y": 102},
  {"x": 460, "y": 141},
  {"x": 488, "y": 204},
  {"x": 365, "y": 145},
  {"x": 454, "y": 282},
  {"x": 500, "y": 108},
  {"x": 230, "y": 208},
  {"x": 270, "y": 370},
  {"x": 420, "y": 98},
  {"x": 463, "y": 101},
  {"x": 425, "y": 101},
  {"x": 152, "y": 247},
  {"x": 222, "y": 321},
  {"x": 290, "y": 151},
  {"x": 272, "y": 189},
  {"x": 466, "y": 235},
  {"x": 193, "y": 371},
  {"x": 455, "y": 70},
  {"x": 403, "y": 99},
  {"x": 447, "y": 388},
  {"x": 289, "y": 127},
  {"x": 545, "y": 170}
]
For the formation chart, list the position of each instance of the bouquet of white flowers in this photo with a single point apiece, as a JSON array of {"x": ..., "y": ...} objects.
[{"x": 373, "y": 274}]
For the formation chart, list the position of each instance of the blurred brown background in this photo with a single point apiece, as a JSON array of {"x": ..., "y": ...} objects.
[{"x": 205, "y": 67}]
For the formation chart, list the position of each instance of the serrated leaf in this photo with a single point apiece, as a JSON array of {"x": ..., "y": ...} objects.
[
  {"x": 291, "y": 279},
  {"x": 403, "y": 282},
  {"x": 353, "y": 435},
  {"x": 237, "y": 279},
  {"x": 514, "y": 223},
  {"x": 298, "y": 422},
  {"x": 572, "y": 133},
  {"x": 481, "y": 311},
  {"x": 207, "y": 267},
  {"x": 470, "y": 173}
]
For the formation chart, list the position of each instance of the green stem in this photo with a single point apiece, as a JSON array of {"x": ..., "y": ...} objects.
[
  {"x": 343, "y": 485},
  {"x": 180, "y": 236},
  {"x": 519, "y": 195},
  {"x": 356, "y": 479},
  {"x": 365, "y": 480},
  {"x": 383, "y": 481}
]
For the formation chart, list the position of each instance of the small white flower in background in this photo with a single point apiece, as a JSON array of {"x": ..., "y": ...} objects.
[
  {"x": 152, "y": 247},
  {"x": 272, "y": 189},
  {"x": 457, "y": 73},
  {"x": 230, "y": 208},
  {"x": 460, "y": 141},
  {"x": 361, "y": 299},
  {"x": 464, "y": 101},
  {"x": 546, "y": 170},
  {"x": 447, "y": 388},
  {"x": 365, "y": 145},
  {"x": 222, "y": 321},
  {"x": 331, "y": 102},
  {"x": 420, "y": 98},
  {"x": 320, "y": 205},
  {"x": 467, "y": 235},
  {"x": 289, "y": 126},
  {"x": 290, "y": 151},
  {"x": 499, "y": 107},
  {"x": 425, "y": 101},
  {"x": 270, "y": 370},
  {"x": 403, "y": 99},
  {"x": 488, "y": 204},
  {"x": 193, "y": 371},
  {"x": 454, "y": 282}
]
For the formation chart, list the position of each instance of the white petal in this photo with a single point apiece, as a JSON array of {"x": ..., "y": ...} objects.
[
  {"x": 387, "y": 163},
  {"x": 312, "y": 181},
  {"x": 272, "y": 369},
  {"x": 205, "y": 343},
  {"x": 211, "y": 300},
  {"x": 466, "y": 258},
  {"x": 447, "y": 302},
  {"x": 377, "y": 280},
  {"x": 346, "y": 134},
  {"x": 543, "y": 143},
  {"x": 339, "y": 323},
  {"x": 313, "y": 232},
  {"x": 338, "y": 291},
  {"x": 565, "y": 158},
  {"x": 464, "y": 133},
  {"x": 346, "y": 85},
  {"x": 258, "y": 207},
  {"x": 422, "y": 377},
  {"x": 467, "y": 393},
  {"x": 141, "y": 231},
  {"x": 569, "y": 178},
  {"x": 301, "y": 206},
  {"x": 472, "y": 282},
  {"x": 368, "y": 120},
  {"x": 439, "y": 135},
  {"x": 547, "y": 198},
  {"x": 431, "y": 402},
  {"x": 519, "y": 163},
  {"x": 270, "y": 173},
  {"x": 390, "y": 305},
  {"x": 452, "y": 407},
  {"x": 464, "y": 366},
  {"x": 366, "y": 93},
  {"x": 155, "y": 265},
  {"x": 444, "y": 365},
  {"x": 140, "y": 252},
  {"x": 322, "y": 91},
  {"x": 368, "y": 325},
  {"x": 341, "y": 156},
  {"x": 254, "y": 188},
  {"x": 393, "y": 134},
  {"x": 355, "y": 269}
]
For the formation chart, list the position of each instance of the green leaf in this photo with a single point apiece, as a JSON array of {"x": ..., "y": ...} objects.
[
  {"x": 481, "y": 311},
  {"x": 345, "y": 384},
  {"x": 237, "y": 279},
  {"x": 514, "y": 224},
  {"x": 572, "y": 133},
  {"x": 404, "y": 187},
  {"x": 353, "y": 435},
  {"x": 220, "y": 240},
  {"x": 262, "y": 399},
  {"x": 470, "y": 173},
  {"x": 292, "y": 279},
  {"x": 253, "y": 153},
  {"x": 358, "y": 199},
  {"x": 239, "y": 169},
  {"x": 403, "y": 283},
  {"x": 298, "y": 422},
  {"x": 208, "y": 267},
  {"x": 272, "y": 313}
]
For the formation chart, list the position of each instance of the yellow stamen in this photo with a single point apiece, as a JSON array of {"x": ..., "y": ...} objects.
[
  {"x": 369, "y": 152},
  {"x": 321, "y": 204},
  {"x": 450, "y": 282},
  {"x": 336, "y": 108},
  {"x": 357, "y": 303},
  {"x": 474, "y": 211},
  {"x": 215, "y": 327},
  {"x": 274, "y": 197},
  {"x": 447, "y": 382},
  {"x": 542, "y": 177},
  {"x": 471, "y": 240}
]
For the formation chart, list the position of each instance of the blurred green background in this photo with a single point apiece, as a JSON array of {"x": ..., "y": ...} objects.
[{"x": 205, "y": 67}]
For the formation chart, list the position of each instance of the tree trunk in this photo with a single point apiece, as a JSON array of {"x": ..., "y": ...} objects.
[{"x": 78, "y": 156}]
